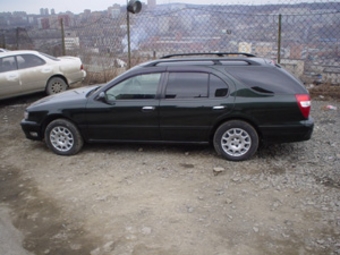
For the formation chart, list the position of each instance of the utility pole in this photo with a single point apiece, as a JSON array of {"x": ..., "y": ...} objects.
[
  {"x": 62, "y": 37},
  {"x": 279, "y": 40},
  {"x": 133, "y": 6},
  {"x": 17, "y": 37}
]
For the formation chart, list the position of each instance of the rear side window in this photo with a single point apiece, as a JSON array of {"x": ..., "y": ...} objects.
[
  {"x": 27, "y": 61},
  {"x": 217, "y": 87},
  {"x": 187, "y": 85},
  {"x": 267, "y": 80}
]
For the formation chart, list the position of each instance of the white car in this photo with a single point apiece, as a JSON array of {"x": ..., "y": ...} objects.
[
  {"x": 3, "y": 50},
  {"x": 25, "y": 72}
]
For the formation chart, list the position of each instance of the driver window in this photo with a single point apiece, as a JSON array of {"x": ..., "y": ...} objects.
[
  {"x": 7, "y": 64},
  {"x": 137, "y": 87}
]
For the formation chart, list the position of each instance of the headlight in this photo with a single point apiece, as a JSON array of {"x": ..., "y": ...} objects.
[{"x": 26, "y": 115}]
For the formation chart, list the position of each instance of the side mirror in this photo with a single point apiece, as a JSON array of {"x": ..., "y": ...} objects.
[
  {"x": 102, "y": 97},
  {"x": 134, "y": 6},
  {"x": 105, "y": 98}
]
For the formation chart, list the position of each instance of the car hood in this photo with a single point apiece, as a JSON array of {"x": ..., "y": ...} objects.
[{"x": 78, "y": 94}]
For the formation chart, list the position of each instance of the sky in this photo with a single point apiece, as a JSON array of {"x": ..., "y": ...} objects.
[{"x": 78, "y": 6}]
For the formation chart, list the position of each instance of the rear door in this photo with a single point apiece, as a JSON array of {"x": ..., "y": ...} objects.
[
  {"x": 32, "y": 72},
  {"x": 193, "y": 100}
]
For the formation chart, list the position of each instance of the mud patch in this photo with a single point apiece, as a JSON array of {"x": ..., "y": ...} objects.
[{"x": 46, "y": 228}]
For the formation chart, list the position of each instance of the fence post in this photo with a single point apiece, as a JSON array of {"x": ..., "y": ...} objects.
[
  {"x": 279, "y": 41},
  {"x": 62, "y": 37},
  {"x": 3, "y": 41},
  {"x": 128, "y": 38},
  {"x": 17, "y": 38}
]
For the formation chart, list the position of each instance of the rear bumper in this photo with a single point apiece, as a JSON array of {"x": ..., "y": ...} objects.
[
  {"x": 286, "y": 133},
  {"x": 76, "y": 77},
  {"x": 31, "y": 129}
]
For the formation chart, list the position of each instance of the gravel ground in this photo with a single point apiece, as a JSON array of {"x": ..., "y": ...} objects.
[{"x": 151, "y": 199}]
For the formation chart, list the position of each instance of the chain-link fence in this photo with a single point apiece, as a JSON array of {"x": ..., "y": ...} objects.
[{"x": 303, "y": 37}]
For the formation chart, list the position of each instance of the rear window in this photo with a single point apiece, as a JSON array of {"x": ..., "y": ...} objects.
[
  {"x": 267, "y": 80},
  {"x": 49, "y": 56}
]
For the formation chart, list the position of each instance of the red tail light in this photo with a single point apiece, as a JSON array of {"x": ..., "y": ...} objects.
[
  {"x": 82, "y": 67},
  {"x": 304, "y": 103}
]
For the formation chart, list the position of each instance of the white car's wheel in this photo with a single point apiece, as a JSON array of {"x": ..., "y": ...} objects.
[{"x": 56, "y": 85}]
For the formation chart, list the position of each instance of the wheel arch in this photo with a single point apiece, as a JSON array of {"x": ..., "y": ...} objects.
[
  {"x": 51, "y": 118},
  {"x": 57, "y": 76},
  {"x": 235, "y": 117}
]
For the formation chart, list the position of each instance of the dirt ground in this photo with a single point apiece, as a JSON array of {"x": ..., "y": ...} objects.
[{"x": 172, "y": 200}]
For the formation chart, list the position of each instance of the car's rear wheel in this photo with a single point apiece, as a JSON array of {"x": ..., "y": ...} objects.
[
  {"x": 236, "y": 140},
  {"x": 63, "y": 137},
  {"x": 56, "y": 85}
]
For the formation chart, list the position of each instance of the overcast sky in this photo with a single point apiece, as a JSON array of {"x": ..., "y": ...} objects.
[{"x": 78, "y": 6}]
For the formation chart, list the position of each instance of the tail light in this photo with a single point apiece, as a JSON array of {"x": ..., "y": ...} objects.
[
  {"x": 304, "y": 104},
  {"x": 81, "y": 67}
]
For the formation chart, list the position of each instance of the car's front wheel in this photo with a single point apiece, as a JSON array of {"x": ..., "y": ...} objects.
[
  {"x": 63, "y": 137},
  {"x": 236, "y": 140},
  {"x": 56, "y": 85}
]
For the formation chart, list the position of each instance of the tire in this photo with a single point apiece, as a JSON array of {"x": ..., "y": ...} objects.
[
  {"x": 56, "y": 85},
  {"x": 63, "y": 137},
  {"x": 236, "y": 140}
]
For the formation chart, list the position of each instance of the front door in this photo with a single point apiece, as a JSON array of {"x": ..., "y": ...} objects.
[
  {"x": 130, "y": 111},
  {"x": 9, "y": 78}
]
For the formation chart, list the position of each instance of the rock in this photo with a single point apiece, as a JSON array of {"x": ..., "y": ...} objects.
[
  {"x": 190, "y": 209},
  {"x": 146, "y": 231},
  {"x": 218, "y": 170},
  {"x": 228, "y": 201}
]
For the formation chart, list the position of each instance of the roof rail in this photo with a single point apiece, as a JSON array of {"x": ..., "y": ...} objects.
[{"x": 218, "y": 54}]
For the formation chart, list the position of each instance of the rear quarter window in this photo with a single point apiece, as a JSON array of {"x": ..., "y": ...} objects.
[{"x": 271, "y": 80}]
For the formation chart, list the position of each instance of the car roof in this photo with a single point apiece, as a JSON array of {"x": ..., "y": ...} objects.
[
  {"x": 209, "y": 59},
  {"x": 18, "y": 52}
]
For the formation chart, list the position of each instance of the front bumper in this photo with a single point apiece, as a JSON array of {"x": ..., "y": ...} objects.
[{"x": 31, "y": 129}]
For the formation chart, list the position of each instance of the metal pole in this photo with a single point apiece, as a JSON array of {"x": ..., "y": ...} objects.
[
  {"x": 279, "y": 41},
  {"x": 62, "y": 37},
  {"x": 17, "y": 37},
  {"x": 128, "y": 37}
]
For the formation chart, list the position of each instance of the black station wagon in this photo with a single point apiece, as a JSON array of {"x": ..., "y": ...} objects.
[{"x": 234, "y": 101}]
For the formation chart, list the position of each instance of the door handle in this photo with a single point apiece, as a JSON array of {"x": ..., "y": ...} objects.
[
  {"x": 148, "y": 108},
  {"x": 218, "y": 107}
]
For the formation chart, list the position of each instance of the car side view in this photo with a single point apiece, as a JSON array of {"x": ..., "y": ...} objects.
[
  {"x": 24, "y": 72},
  {"x": 234, "y": 101}
]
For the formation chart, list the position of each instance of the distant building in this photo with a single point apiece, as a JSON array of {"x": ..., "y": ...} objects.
[
  {"x": 151, "y": 3},
  {"x": 52, "y": 12},
  {"x": 114, "y": 11},
  {"x": 244, "y": 47},
  {"x": 87, "y": 12},
  {"x": 44, "y": 11},
  {"x": 66, "y": 20},
  {"x": 44, "y": 23}
]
